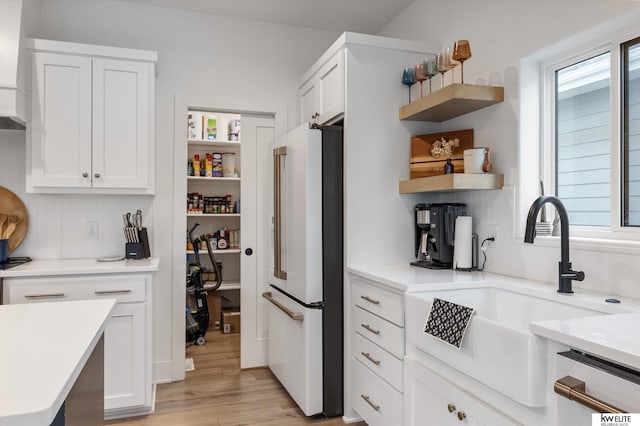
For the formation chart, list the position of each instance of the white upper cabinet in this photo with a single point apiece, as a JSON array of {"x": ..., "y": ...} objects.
[
  {"x": 323, "y": 92},
  {"x": 91, "y": 129},
  {"x": 121, "y": 117}
]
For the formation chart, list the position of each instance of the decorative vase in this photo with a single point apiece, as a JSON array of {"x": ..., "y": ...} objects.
[
  {"x": 486, "y": 164},
  {"x": 448, "y": 167}
]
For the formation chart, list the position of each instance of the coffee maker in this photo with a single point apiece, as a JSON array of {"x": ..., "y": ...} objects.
[{"x": 435, "y": 234}]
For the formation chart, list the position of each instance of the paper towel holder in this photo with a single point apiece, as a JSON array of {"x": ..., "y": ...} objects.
[{"x": 474, "y": 255}]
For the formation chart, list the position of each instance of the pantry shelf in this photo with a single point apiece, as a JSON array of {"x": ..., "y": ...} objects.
[
  {"x": 231, "y": 285},
  {"x": 451, "y": 182},
  {"x": 205, "y": 143},
  {"x": 208, "y": 179},
  {"x": 451, "y": 101},
  {"x": 225, "y": 251},
  {"x": 213, "y": 214}
]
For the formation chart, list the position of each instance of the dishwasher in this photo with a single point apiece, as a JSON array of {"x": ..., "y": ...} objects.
[{"x": 588, "y": 384}]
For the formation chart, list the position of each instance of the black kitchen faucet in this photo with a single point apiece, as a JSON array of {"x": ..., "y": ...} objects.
[{"x": 565, "y": 273}]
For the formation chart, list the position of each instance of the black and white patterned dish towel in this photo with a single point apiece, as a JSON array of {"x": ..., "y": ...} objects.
[{"x": 448, "y": 321}]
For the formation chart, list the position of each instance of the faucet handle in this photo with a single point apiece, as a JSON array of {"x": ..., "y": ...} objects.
[{"x": 579, "y": 276}]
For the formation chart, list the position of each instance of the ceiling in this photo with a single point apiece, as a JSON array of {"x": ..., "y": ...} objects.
[{"x": 363, "y": 16}]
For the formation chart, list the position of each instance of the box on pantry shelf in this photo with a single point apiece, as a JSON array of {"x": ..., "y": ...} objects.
[
  {"x": 214, "y": 301},
  {"x": 231, "y": 320}
]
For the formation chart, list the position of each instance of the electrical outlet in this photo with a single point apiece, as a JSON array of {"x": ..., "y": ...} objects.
[
  {"x": 492, "y": 232},
  {"x": 92, "y": 230}
]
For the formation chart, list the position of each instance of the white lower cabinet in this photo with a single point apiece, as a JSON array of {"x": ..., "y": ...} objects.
[
  {"x": 377, "y": 349},
  {"x": 432, "y": 400},
  {"x": 128, "y": 384},
  {"x": 377, "y": 402}
]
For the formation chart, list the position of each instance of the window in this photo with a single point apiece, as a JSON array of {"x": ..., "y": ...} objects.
[
  {"x": 583, "y": 140},
  {"x": 591, "y": 153},
  {"x": 631, "y": 131}
]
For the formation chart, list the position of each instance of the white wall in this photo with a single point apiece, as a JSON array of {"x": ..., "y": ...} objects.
[
  {"x": 198, "y": 55},
  {"x": 500, "y": 33}
]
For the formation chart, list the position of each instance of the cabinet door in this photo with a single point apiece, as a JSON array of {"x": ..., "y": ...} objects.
[
  {"x": 125, "y": 368},
  {"x": 309, "y": 100},
  {"x": 331, "y": 88},
  {"x": 121, "y": 123},
  {"x": 323, "y": 93},
  {"x": 60, "y": 149},
  {"x": 430, "y": 399}
]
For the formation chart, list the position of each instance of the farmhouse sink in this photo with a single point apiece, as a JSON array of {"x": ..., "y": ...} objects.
[{"x": 498, "y": 348}]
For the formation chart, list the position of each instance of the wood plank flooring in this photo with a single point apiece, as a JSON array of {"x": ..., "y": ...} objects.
[{"x": 218, "y": 393}]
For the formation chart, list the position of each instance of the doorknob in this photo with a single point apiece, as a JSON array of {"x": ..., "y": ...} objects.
[{"x": 248, "y": 251}]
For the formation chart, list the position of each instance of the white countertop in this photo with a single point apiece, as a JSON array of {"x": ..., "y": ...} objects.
[
  {"x": 412, "y": 278},
  {"x": 37, "y": 268},
  {"x": 614, "y": 336},
  {"x": 43, "y": 349}
]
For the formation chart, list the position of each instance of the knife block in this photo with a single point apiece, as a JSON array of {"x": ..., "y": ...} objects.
[{"x": 138, "y": 250}]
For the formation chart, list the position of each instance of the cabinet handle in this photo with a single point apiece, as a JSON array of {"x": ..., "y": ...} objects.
[
  {"x": 370, "y": 300},
  {"x": 368, "y": 328},
  {"x": 97, "y": 175},
  {"x": 112, "y": 291},
  {"x": 85, "y": 174},
  {"x": 451, "y": 408},
  {"x": 368, "y": 401},
  {"x": 368, "y": 356},
  {"x": 462, "y": 415},
  {"x": 39, "y": 296}
]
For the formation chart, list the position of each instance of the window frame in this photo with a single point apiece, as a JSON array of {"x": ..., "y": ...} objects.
[
  {"x": 624, "y": 130},
  {"x": 613, "y": 44}
]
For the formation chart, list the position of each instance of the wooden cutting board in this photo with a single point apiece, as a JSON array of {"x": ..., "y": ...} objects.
[
  {"x": 423, "y": 164},
  {"x": 11, "y": 205}
]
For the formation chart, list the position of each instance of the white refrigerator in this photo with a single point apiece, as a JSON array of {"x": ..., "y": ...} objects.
[{"x": 305, "y": 346}]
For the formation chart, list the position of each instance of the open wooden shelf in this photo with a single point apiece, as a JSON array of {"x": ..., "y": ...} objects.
[
  {"x": 452, "y": 182},
  {"x": 451, "y": 101}
]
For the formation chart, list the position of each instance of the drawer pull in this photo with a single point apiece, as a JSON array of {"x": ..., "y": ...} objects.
[
  {"x": 40, "y": 296},
  {"x": 368, "y": 328},
  {"x": 574, "y": 389},
  {"x": 367, "y": 355},
  {"x": 451, "y": 408},
  {"x": 112, "y": 291},
  {"x": 462, "y": 415},
  {"x": 368, "y": 401},
  {"x": 370, "y": 300}
]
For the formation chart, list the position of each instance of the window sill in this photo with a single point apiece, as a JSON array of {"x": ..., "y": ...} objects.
[{"x": 603, "y": 245}]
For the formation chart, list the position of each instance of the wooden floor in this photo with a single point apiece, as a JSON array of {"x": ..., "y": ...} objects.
[{"x": 217, "y": 392}]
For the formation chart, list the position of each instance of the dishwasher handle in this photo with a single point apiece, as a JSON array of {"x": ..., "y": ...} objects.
[{"x": 574, "y": 390}]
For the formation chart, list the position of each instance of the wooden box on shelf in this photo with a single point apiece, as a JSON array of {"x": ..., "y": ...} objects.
[
  {"x": 451, "y": 101},
  {"x": 424, "y": 164}
]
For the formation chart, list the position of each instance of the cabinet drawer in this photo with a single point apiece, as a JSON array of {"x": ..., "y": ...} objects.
[
  {"x": 430, "y": 396},
  {"x": 383, "y": 333},
  {"x": 377, "y": 403},
  {"x": 122, "y": 287},
  {"x": 377, "y": 300},
  {"x": 378, "y": 360}
]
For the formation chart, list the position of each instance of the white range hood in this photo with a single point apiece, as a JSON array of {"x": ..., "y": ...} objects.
[{"x": 12, "y": 76}]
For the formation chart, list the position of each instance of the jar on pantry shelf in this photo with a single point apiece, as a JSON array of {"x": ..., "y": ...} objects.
[{"x": 228, "y": 164}]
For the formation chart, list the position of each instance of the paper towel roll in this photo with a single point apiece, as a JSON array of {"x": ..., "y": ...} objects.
[{"x": 462, "y": 248}]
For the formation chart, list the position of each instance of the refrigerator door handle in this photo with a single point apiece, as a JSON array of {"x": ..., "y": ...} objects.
[
  {"x": 278, "y": 154},
  {"x": 296, "y": 316}
]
